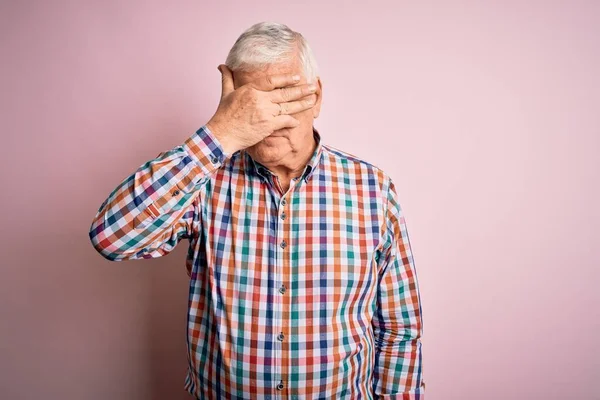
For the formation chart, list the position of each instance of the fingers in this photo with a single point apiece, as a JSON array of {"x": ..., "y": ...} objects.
[
  {"x": 271, "y": 82},
  {"x": 226, "y": 80},
  {"x": 291, "y": 93},
  {"x": 294, "y": 107},
  {"x": 284, "y": 121}
]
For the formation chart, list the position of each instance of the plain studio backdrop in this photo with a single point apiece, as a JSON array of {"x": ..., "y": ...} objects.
[{"x": 485, "y": 113}]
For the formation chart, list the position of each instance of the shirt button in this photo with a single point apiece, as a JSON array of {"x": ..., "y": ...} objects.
[
  {"x": 283, "y": 202},
  {"x": 175, "y": 193},
  {"x": 282, "y": 289},
  {"x": 214, "y": 159},
  {"x": 283, "y": 215},
  {"x": 280, "y": 386},
  {"x": 280, "y": 336},
  {"x": 283, "y": 244}
]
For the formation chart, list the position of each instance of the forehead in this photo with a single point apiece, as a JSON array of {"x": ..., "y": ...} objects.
[{"x": 251, "y": 74}]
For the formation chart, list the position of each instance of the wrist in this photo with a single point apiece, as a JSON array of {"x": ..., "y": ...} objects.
[{"x": 226, "y": 140}]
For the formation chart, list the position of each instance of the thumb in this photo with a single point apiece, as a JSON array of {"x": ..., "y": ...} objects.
[{"x": 226, "y": 80}]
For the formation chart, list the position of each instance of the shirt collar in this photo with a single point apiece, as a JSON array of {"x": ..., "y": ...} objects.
[{"x": 256, "y": 168}]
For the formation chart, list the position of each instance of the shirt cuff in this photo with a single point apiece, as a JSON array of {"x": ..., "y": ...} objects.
[
  {"x": 402, "y": 396},
  {"x": 205, "y": 150}
]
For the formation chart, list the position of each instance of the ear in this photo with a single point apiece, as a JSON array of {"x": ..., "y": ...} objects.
[
  {"x": 316, "y": 110},
  {"x": 235, "y": 84}
]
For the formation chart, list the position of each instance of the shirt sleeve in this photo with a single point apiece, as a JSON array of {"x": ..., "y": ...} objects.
[
  {"x": 397, "y": 322},
  {"x": 151, "y": 210}
]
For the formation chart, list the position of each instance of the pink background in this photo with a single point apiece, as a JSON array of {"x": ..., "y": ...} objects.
[{"x": 486, "y": 114}]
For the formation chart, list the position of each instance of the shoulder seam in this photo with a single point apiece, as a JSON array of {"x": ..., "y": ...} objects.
[{"x": 352, "y": 157}]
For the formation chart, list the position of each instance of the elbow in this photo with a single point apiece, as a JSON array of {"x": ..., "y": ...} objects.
[
  {"x": 103, "y": 245},
  {"x": 398, "y": 337}
]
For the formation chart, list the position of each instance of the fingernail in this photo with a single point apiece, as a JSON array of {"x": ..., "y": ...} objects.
[
  {"x": 312, "y": 87},
  {"x": 296, "y": 78}
]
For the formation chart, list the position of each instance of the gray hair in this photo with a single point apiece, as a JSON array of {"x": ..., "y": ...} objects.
[{"x": 271, "y": 43}]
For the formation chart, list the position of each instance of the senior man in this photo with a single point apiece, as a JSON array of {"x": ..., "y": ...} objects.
[{"x": 302, "y": 281}]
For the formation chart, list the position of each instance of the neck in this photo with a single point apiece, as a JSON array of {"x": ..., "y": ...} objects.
[{"x": 296, "y": 165}]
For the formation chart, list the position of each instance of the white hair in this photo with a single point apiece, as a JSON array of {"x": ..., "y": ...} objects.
[{"x": 271, "y": 43}]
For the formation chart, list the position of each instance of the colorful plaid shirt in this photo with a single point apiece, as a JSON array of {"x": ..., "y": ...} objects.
[{"x": 307, "y": 294}]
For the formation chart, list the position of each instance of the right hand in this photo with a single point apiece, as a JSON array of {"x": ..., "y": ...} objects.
[{"x": 250, "y": 113}]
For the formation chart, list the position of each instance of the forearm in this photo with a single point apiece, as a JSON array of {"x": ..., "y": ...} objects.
[
  {"x": 147, "y": 213},
  {"x": 397, "y": 331},
  {"x": 398, "y": 365},
  {"x": 397, "y": 324}
]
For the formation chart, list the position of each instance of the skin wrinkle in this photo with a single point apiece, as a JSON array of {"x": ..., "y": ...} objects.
[{"x": 287, "y": 151}]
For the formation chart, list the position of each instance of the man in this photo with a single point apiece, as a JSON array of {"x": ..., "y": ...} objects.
[{"x": 302, "y": 281}]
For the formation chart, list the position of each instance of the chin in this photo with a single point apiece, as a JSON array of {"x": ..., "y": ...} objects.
[
  {"x": 267, "y": 151},
  {"x": 285, "y": 132}
]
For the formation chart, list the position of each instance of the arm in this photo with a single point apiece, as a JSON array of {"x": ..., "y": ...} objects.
[
  {"x": 397, "y": 323},
  {"x": 156, "y": 206},
  {"x": 150, "y": 211}
]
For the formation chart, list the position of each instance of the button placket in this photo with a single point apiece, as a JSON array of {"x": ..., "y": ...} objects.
[
  {"x": 280, "y": 278},
  {"x": 282, "y": 257}
]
